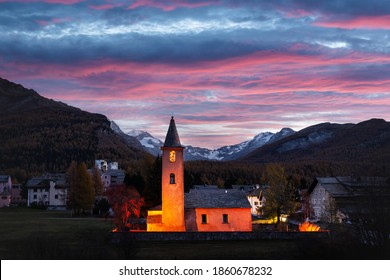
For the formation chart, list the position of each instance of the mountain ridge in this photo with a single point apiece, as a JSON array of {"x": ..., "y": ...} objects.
[
  {"x": 42, "y": 135},
  {"x": 367, "y": 141},
  {"x": 230, "y": 152}
]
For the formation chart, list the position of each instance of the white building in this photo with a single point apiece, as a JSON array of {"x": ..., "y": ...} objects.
[
  {"x": 342, "y": 199},
  {"x": 49, "y": 190},
  {"x": 255, "y": 195},
  {"x": 257, "y": 201},
  {"x": 110, "y": 173}
]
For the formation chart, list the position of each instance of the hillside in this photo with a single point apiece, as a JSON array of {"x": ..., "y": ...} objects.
[
  {"x": 366, "y": 144},
  {"x": 41, "y": 135}
]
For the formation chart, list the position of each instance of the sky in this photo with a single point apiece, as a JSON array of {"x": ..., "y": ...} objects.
[{"x": 227, "y": 70}]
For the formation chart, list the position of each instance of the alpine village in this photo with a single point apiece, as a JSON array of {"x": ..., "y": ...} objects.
[{"x": 73, "y": 185}]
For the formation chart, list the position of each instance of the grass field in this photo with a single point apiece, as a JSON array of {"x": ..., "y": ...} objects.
[
  {"x": 37, "y": 234},
  {"x": 42, "y": 235}
]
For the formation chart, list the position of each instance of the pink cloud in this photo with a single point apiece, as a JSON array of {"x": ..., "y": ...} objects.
[
  {"x": 65, "y": 2},
  {"x": 268, "y": 72},
  {"x": 365, "y": 22},
  {"x": 105, "y": 6},
  {"x": 168, "y": 5},
  {"x": 52, "y": 21}
]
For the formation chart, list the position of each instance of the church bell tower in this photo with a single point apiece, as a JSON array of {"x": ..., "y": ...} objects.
[{"x": 173, "y": 181}]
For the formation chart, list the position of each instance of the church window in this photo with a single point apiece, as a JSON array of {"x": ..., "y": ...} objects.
[
  {"x": 204, "y": 219},
  {"x": 225, "y": 218},
  {"x": 172, "y": 179}
]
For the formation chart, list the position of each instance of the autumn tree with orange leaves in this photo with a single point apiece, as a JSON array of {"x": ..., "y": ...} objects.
[{"x": 126, "y": 203}]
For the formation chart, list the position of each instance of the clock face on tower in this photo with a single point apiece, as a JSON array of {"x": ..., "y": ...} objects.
[{"x": 172, "y": 156}]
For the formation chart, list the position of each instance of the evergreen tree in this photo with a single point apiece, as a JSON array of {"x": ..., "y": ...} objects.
[
  {"x": 72, "y": 199},
  {"x": 81, "y": 196},
  {"x": 152, "y": 191},
  {"x": 280, "y": 195},
  {"x": 97, "y": 182}
]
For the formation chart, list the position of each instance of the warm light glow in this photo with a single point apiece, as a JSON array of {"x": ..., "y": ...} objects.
[
  {"x": 306, "y": 226},
  {"x": 172, "y": 156},
  {"x": 266, "y": 221}
]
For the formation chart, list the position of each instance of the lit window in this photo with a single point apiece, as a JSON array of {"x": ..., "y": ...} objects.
[
  {"x": 172, "y": 178},
  {"x": 204, "y": 219},
  {"x": 225, "y": 218}
]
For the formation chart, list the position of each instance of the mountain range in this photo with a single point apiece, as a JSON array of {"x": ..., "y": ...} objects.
[
  {"x": 42, "y": 135},
  {"x": 367, "y": 142},
  {"x": 231, "y": 152}
]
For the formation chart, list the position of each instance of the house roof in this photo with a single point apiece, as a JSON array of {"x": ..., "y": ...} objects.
[
  {"x": 215, "y": 198},
  {"x": 205, "y": 187},
  {"x": 257, "y": 192},
  {"x": 352, "y": 186},
  {"x": 172, "y": 139},
  {"x": 245, "y": 187},
  {"x": 59, "y": 179},
  {"x": 4, "y": 178}
]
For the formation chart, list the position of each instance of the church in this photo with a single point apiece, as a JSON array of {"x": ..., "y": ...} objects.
[{"x": 206, "y": 210}]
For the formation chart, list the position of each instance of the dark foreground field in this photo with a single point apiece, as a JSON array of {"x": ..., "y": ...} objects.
[{"x": 36, "y": 234}]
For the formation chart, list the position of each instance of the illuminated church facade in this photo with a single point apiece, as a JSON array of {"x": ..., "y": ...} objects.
[{"x": 199, "y": 210}]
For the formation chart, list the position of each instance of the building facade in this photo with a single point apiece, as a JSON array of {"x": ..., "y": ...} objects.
[
  {"x": 49, "y": 190},
  {"x": 345, "y": 199},
  {"x": 5, "y": 190},
  {"x": 110, "y": 173},
  {"x": 203, "y": 209}
]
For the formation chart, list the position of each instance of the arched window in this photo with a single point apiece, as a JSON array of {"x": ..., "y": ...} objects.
[{"x": 172, "y": 178}]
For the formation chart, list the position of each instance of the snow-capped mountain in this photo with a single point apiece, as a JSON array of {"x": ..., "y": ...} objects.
[
  {"x": 130, "y": 140},
  {"x": 233, "y": 152},
  {"x": 152, "y": 145}
]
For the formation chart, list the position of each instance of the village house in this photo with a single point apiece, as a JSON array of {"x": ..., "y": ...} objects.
[
  {"x": 257, "y": 201},
  {"x": 110, "y": 173},
  {"x": 256, "y": 197},
  {"x": 50, "y": 190},
  {"x": 16, "y": 195},
  {"x": 344, "y": 199},
  {"x": 5, "y": 190},
  {"x": 202, "y": 209}
]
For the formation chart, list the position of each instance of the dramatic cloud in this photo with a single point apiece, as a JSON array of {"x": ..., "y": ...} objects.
[{"x": 226, "y": 69}]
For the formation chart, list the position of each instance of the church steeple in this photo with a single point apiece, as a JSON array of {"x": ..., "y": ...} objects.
[
  {"x": 172, "y": 181},
  {"x": 172, "y": 139}
]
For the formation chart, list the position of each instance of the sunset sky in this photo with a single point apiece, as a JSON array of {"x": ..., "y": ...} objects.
[{"x": 226, "y": 70}]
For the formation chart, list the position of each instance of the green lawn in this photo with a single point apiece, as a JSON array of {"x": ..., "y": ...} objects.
[{"x": 37, "y": 234}]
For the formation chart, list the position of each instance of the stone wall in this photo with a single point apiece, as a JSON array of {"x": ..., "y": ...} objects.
[{"x": 204, "y": 236}]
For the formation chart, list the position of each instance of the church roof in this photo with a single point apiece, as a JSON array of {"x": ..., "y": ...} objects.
[
  {"x": 172, "y": 138},
  {"x": 215, "y": 198}
]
